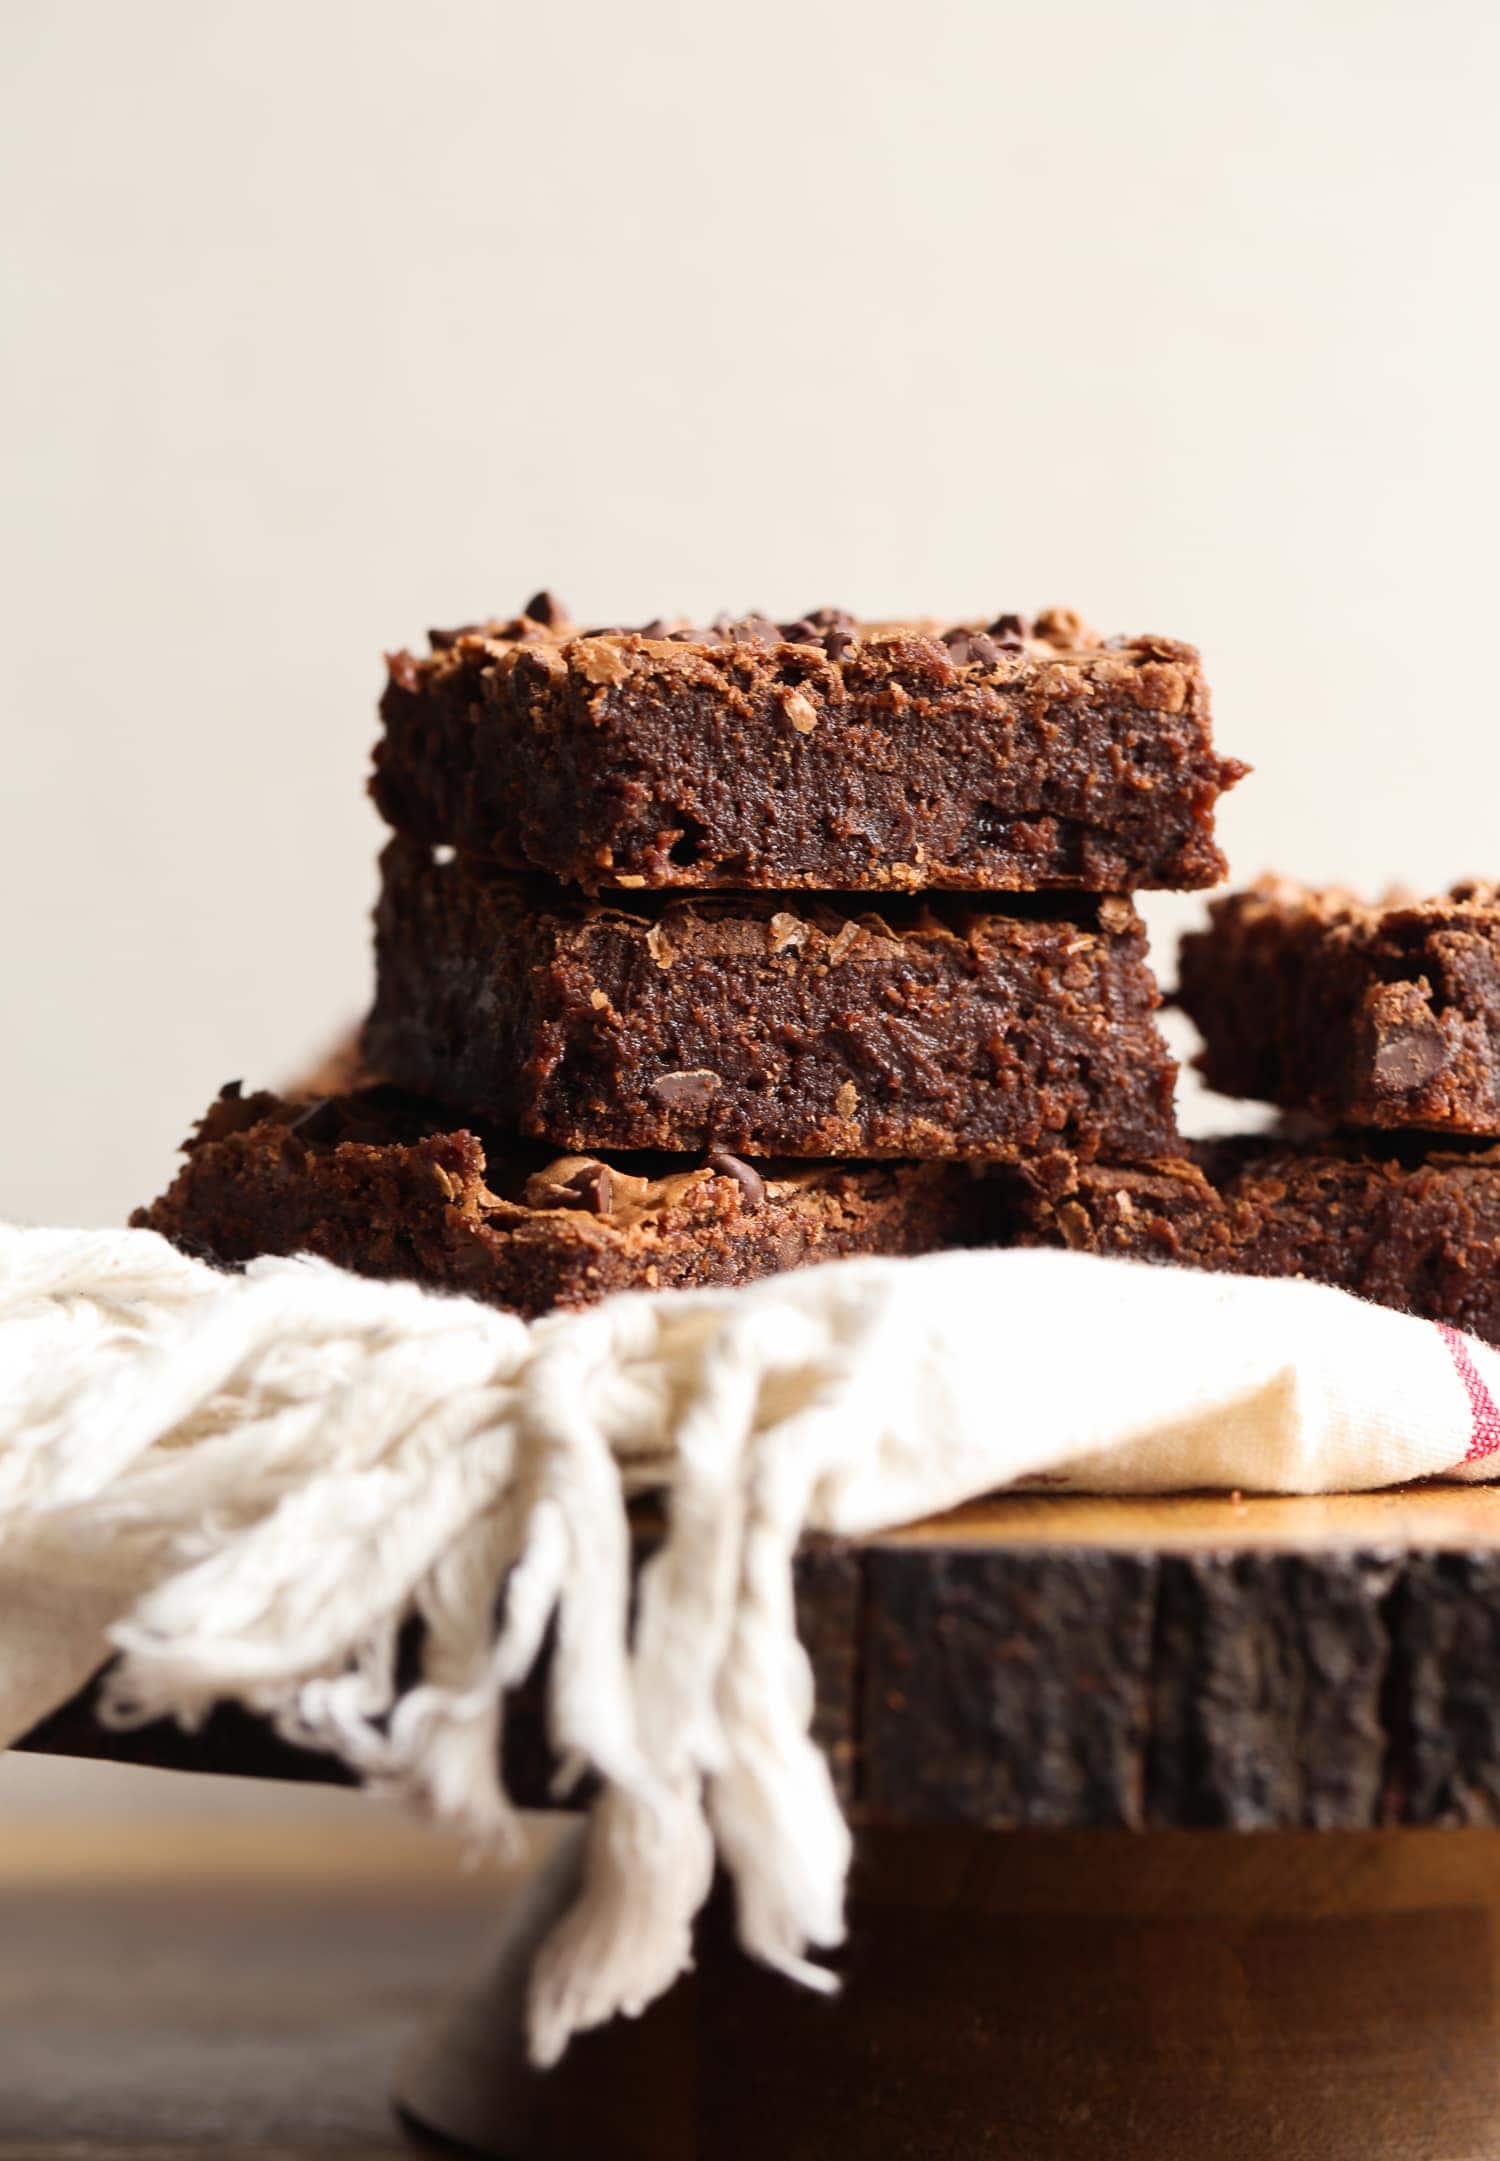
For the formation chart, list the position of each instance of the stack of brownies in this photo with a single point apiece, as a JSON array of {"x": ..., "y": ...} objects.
[
  {"x": 1378, "y": 1027},
  {"x": 708, "y": 952}
]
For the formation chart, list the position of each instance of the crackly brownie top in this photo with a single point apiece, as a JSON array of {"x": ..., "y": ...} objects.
[
  {"x": 504, "y": 1180},
  {"x": 1277, "y": 902},
  {"x": 1005, "y": 646}
]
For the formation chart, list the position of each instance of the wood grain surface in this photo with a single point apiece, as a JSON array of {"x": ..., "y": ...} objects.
[{"x": 1066, "y": 1662}]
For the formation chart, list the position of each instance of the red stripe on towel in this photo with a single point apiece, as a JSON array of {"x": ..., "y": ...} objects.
[{"x": 1484, "y": 1437}]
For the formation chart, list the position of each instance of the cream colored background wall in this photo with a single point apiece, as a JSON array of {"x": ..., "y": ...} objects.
[
  {"x": 330, "y": 318},
  {"x": 327, "y": 319}
]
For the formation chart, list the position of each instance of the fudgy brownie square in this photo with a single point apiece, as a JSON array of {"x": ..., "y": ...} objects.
[
  {"x": 770, "y": 1024},
  {"x": 1368, "y": 1015},
  {"x": 1393, "y": 1221},
  {"x": 824, "y": 754},
  {"x": 387, "y": 1186}
]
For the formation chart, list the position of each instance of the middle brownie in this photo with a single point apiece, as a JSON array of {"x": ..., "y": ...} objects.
[{"x": 768, "y": 1024}]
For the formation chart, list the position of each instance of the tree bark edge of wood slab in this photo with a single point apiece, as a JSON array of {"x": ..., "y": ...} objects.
[{"x": 1268, "y": 1665}]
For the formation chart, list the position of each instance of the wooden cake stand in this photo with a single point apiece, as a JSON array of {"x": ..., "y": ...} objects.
[{"x": 1035, "y": 1707}]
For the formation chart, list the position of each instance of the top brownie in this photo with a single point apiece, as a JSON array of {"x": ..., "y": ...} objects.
[
  {"x": 1377, "y": 1015},
  {"x": 823, "y": 754}
]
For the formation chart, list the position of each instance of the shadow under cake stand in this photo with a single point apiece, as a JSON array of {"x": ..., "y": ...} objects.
[{"x": 1035, "y": 1709}]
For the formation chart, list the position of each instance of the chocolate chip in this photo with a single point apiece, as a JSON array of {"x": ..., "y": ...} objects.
[
  {"x": 1408, "y": 1058},
  {"x": 592, "y": 1188},
  {"x": 971, "y": 648},
  {"x": 754, "y": 630},
  {"x": 751, "y": 1184},
  {"x": 1011, "y": 632},
  {"x": 693, "y": 1090},
  {"x": 546, "y": 608},
  {"x": 320, "y": 1122},
  {"x": 656, "y": 628},
  {"x": 231, "y": 1091},
  {"x": 831, "y": 628},
  {"x": 442, "y": 641}
]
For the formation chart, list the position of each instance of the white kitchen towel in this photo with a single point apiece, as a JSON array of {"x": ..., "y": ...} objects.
[{"x": 243, "y": 1486}]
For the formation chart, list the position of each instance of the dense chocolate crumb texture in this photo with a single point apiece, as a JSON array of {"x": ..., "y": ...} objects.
[
  {"x": 1396, "y": 1221},
  {"x": 771, "y": 1024},
  {"x": 1379, "y": 1015},
  {"x": 385, "y": 1185},
  {"x": 821, "y": 754}
]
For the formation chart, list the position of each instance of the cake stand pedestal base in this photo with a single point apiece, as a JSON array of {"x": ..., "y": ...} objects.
[{"x": 1015, "y": 1996}]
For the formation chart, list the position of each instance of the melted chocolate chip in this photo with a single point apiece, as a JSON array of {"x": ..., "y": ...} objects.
[
  {"x": 837, "y": 642},
  {"x": 1408, "y": 1058},
  {"x": 686, "y": 1091},
  {"x": 752, "y": 1186},
  {"x": 592, "y": 1188},
  {"x": 656, "y": 628},
  {"x": 1010, "y": 632},
  {"x": 546, "y": 608},
  {"x": 231, "y": 1091}
]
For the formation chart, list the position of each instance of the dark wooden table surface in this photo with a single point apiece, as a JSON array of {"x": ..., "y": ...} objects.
[{"x": 200, "y": 1986}]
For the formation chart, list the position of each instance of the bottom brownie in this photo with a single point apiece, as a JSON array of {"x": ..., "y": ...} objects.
[
  {"x": 1409, "y": 1227},
  {"x": 386, "y": 1185}
]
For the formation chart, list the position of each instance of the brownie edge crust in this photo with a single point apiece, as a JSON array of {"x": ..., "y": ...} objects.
[{"x": 385, "y": 1185}]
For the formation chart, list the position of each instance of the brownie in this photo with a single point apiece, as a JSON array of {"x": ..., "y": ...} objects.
[
  {"x": 389, "y": 1186},
  {"x": 774, "y": 1024},
  {"x": 1383, "y": 1015},
  {"x": 1396, "y": 1222},
  {"x": 823, "y": 754}
]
